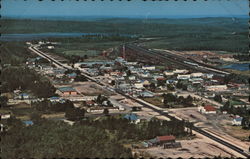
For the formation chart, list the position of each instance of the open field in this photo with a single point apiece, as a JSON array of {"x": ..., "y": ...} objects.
[
  {"x": 90, "y": 89},
  {"x": 196, "y": 148},
  {"x": 237, "y": 132},
  {"x": 219, "y": 125},
  {"x": 157, "y": 100}
]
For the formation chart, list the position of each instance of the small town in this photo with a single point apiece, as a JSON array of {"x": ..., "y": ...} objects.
[
  {"x": 123, "y": 88},
  {"x": 124, "y": 79}
]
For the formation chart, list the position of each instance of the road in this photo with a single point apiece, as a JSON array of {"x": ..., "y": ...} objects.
[{"x": 147, "y": 105}]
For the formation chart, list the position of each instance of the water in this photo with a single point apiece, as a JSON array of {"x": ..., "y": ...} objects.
[
  {"x": 239, "y": 67},
  {"x": 37, "y": 36}
]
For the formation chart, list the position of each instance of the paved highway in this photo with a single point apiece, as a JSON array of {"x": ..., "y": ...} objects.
[{"x": 147, "y": 105}]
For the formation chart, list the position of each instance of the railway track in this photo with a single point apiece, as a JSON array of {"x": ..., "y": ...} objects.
[
  {"x": 199, "y": 130},
  {"x": 177, "y": 60}
]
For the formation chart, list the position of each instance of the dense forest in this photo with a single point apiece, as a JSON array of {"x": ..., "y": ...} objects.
[
  {"x": 92, "y": 138},
  {"x": 25, "y": 79},
  {"x": 14, "y": 53},
  {"x": 226, "y": 34}
]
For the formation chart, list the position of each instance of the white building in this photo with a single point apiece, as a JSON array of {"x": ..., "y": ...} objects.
[
  {"x": 177, "y": 71},
  {"x": 216, "y": 88},
  {"x": 148, "y": 68},
  {"x": 139, "y": 85},
  {"x": 183, "y": 77},
  {"x": 131, "y": 78},
  {"x": 198, "y": 74},
  {"x": 5, "y": 116},
  {"x": 168, "y": 73},
  {"x": 237, "y": 121},
  {"x": 209, "y": 76},
  {"x": 51, "y": 47},
  {"x": 207, "y": 109}
]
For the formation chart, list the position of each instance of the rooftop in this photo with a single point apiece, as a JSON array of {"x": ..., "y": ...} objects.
[
  {"x": 209, "y": 108},
  {"x": 66, "y": 89},
  {"x": 165, "y": 138}
]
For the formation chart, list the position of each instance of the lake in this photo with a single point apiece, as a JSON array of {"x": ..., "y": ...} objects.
[
  {"x": 37, "y": 36},
  {"x": 239, "y": 67}
]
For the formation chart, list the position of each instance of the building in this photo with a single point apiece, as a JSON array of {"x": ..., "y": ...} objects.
[
  {"x": 146, "y": 94},
  {"x": 177, "y": 71},
  {"x": 208, "y": 109},
  {"x": 196, "y": 80},
  {"x": 237, "y": 121},
  {"x": 167, "y": 73},
  {"x": 71, "y": 75},
  {"x": 132, "y": 117},
  {"x": 28, "y": 122},
  {"x": 193, "y": 75},
  {"x": 138, "y": 85},
  {"x": 165, "y": 139},
  {"x": 183, "y": 77},
  {"x": 55, "y": 99},
  {"x": 208, "y": 76},
  {"x": 132, "y": 78},
  {"x": 51, "y": 47},
  {"x": 145, "y": 82},
  {"x": 65, "y": 91},
  {"x": 5, "y": 116},
  {"x": 23, "y": 96},
  {"x": 170, "y": 81},
  {"x": 216, "y": 88},
  {"x": 150, "y": 68}
]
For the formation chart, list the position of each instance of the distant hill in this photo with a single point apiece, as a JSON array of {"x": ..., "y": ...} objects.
[{"x": 220, "y": 33}]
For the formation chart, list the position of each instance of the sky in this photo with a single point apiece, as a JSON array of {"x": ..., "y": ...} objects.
[{"x": 116, "y": 8}]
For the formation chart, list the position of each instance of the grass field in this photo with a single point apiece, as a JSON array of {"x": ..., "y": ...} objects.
[
  {"x": 81, "y": 52},
  {"x": 157, "y": 100},
  {"x": 237, "y": 132}
]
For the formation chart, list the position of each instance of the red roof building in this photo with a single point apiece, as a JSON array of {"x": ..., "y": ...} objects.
[
  {"x": 165, "y": 139},
  {"x": 209, "y": 108}
]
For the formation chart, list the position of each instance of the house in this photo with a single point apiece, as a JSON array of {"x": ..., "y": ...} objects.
[
  {"x": 131, "y": 78},
  {"x": 193, "y": 75},
  {"x": 90, "y": 103},
  {"x": 23, "y": 96},
  {"x": 28, "y": 122},
  {"x": 237, "y": 121},
  {"x": 124, "y": 87},
  {"x": 150, "y": 68},
  {"x": 177, "y": 71},
  {"x": 95, "y": 110},
  {"x": 71, "y": 75},
  {"x": 165, "y": 139},
  {"x": 167, "y": 73},
  {"x": 132, "y": 117},
  {"x": 54, "y": 99},
  {"x": 67, "y": 91},
  {"x": 145, "y": 82},
  {"x": 170, "y": 81},
  {"x": 208, "y": 109},
  {"x": 196, "y": 80},
  {"x": 216, "y": 88},
  {"x": 138, "y": 85},
  {"x": 51, "y": 47},
  {"x": 146, "y": 94},
  {"x": 5, "y": 116},
  {"x": 208, "y": 76},
  {"x": 183, "y": 77},
  {"x": 143, "y": 74}
]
